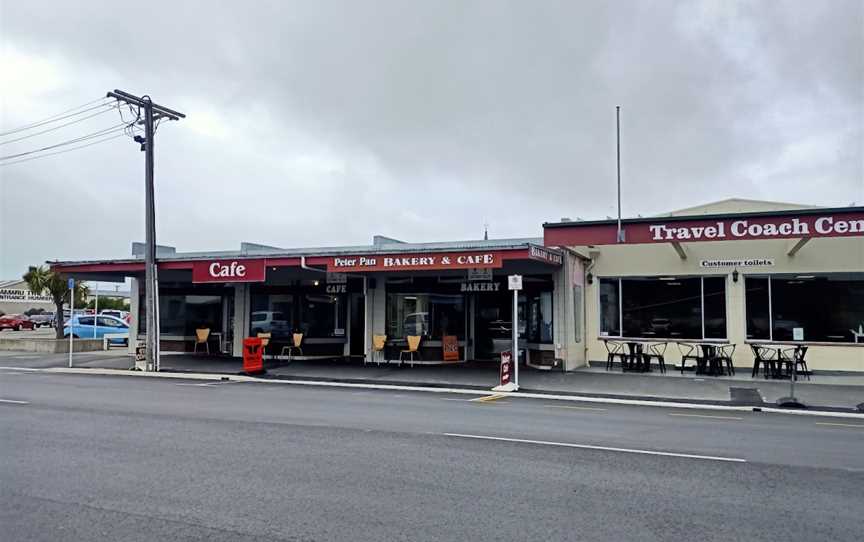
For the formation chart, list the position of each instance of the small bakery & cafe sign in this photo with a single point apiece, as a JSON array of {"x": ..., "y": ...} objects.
[{"x": 416, "y": 262}]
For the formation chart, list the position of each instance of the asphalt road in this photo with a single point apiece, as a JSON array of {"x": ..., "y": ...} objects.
[{"x": 130, "y": 458}]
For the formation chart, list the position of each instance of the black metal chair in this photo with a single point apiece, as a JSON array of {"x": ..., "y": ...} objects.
[
  {"x": 688, "y": 352},
  {"x": 794, "y": 358},
  {"x": 766, "y": 357},
  {"x": 657, "y": 351},
  {"x": 724, "y": 357},
  {"x": 614, "y": 349}
]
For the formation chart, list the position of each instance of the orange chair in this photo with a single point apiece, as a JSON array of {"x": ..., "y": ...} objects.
[
  {"x": 298, "y": 340},
  {"x": 378, "y": 344},
  {"x": 202, "y": 335},
  {"x": 265, "y": 340},
  {"x": 413, "y": 347}
]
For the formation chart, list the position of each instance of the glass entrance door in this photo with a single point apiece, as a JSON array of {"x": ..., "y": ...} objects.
[{"x": 493, "y": 323}]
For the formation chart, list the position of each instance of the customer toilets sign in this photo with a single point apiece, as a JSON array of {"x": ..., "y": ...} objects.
[{"x": 229, "y": 271}]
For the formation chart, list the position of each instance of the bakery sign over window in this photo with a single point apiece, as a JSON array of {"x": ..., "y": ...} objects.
[{"x": 415, "y": 262}]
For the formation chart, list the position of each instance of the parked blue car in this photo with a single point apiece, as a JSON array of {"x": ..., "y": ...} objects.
[{"x": 82, "y": 327}]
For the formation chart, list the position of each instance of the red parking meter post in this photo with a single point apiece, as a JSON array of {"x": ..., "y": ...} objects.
[{"x": 253, "y": 355}]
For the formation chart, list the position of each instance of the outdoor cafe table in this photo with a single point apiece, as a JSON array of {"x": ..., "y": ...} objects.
[
  {"x": 637, "y": 360},
  {"x": 782, "y": 359},
  {"x": 709, "y": 362}
]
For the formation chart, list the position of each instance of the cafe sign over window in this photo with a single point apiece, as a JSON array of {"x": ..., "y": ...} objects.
[
  {"x": 415, "y": 262},
  {"x": 229, "y": 271}
]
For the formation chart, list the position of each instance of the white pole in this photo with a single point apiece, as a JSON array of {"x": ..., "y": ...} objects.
[
  {"x": 96, "y": 311},
  {"x": 516, "y": 337},
  {"x": 71, "y": 315}
]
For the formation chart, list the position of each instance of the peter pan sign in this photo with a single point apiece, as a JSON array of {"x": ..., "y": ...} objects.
[{"x": 418, "y": 262}]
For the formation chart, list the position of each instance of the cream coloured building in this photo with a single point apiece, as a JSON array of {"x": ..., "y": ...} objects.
[{"x": 737, "y": 271}]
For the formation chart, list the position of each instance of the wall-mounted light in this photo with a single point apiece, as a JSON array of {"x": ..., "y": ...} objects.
[
  {"x": 734, "y": 275},
  {"x": 590, "y": 278},
  {"x": 316, "y": 283}
]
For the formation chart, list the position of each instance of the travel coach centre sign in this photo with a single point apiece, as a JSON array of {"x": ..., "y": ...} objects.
[
  {"x": 780, "y": 226},
  {"x": 419, "y": 262}
]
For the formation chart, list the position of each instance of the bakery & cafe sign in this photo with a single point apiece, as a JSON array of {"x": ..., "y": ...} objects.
[{"x": 416, "y": 262}]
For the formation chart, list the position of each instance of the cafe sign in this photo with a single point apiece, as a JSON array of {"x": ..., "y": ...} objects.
[
  {"x": 228, "y": 271},
  {"x": 416, "y": 262}
]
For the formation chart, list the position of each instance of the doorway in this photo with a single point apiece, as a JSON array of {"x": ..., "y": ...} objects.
[{"x": 357, "y": 331}]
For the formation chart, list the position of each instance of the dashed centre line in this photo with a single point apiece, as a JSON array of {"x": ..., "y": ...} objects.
[
  {"x": 14, "y": 402},
  {"x": 842, "y": 424},
  {"x": 707, "y": 416},
  {"x": 576, "y": 407}
]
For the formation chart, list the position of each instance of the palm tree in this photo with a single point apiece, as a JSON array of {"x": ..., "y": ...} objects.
[{"x": 42, "y": 280}]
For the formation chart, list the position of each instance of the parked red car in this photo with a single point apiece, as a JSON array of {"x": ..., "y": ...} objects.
[{"x": 15, "y": 321}]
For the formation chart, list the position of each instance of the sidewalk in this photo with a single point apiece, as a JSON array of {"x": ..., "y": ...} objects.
[{"x": 828, "y": 391}]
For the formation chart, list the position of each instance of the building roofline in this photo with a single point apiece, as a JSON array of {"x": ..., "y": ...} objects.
[
  {"x": 716, "y": 216},
  {"x": 324, "y": 252}
]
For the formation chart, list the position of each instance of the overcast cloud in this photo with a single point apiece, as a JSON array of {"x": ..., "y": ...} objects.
[{"x": 318, "y": 123}]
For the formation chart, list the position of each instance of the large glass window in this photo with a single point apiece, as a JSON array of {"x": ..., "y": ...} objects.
[
  {"x": 428, "y": 315},
  {"x": 756, "y": 297},
  {"x": 825, "y": 308},
  {"x": 610, "y": 316},
  {"x": 664, "y": 307},
  {"x": 540, "y": 317},
  {"x": 322, "y": 315},
  {"x": 272, "y": 313},
  {"x": 180, "y": 315},
  {"x": 315, "y": 314}
]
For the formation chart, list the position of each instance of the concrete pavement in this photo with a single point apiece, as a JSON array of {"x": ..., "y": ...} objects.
[{"x": 89, "y": 457}]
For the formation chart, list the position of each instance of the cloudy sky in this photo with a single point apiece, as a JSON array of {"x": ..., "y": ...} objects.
[{"x": 316, "y": 123}]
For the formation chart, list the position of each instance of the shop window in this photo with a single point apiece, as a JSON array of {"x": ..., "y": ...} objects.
[
  {"x": 825, "y": 308},
  {"x": 540, "y": 318},
  {"x": 272, "y": 313},
  {"x": 428, "y": 315},
  {"x": 756, "y": 297},
  {"x": 322, "y": 316},
  {"x": 180, "y": 315},
  {"x": 577, "y": 313},
  {"x": 610, "y": 316},
  {"x": 714, "y": 295},
  {"x": 664, "y": 307}
]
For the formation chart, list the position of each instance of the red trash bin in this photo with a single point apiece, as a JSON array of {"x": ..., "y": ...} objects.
[{"x": 253, "y": 355}]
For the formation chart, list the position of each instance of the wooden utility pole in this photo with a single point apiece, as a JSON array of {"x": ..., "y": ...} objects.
[{"x": 152, "y": 112}]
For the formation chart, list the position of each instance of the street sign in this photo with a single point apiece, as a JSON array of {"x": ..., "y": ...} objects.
[
  {"x": 514, "y": 282},
  {"x": 71, "y": 284}
]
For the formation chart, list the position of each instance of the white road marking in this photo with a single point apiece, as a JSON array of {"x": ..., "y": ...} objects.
[
  {"x": 576, "y": 407},
  {"x": 602, "y": 448},
  {"x": 707, "y": 416},
  {"x": 14, "y": 402},
  {"x": 207, "y": 385},
  {"x": 841, "y": 424}
]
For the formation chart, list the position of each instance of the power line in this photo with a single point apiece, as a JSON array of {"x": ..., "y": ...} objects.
[
  {"x": 76, "y": 121},
  {"x": 118, "y": 127},
  {"x": 70, "y": 149},
  {"x": 57, "y": 117}
]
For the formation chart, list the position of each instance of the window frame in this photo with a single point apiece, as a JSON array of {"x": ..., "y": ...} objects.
[
  {"x": 784, "y": 276},
  {"x": 701, "y": 278}
]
